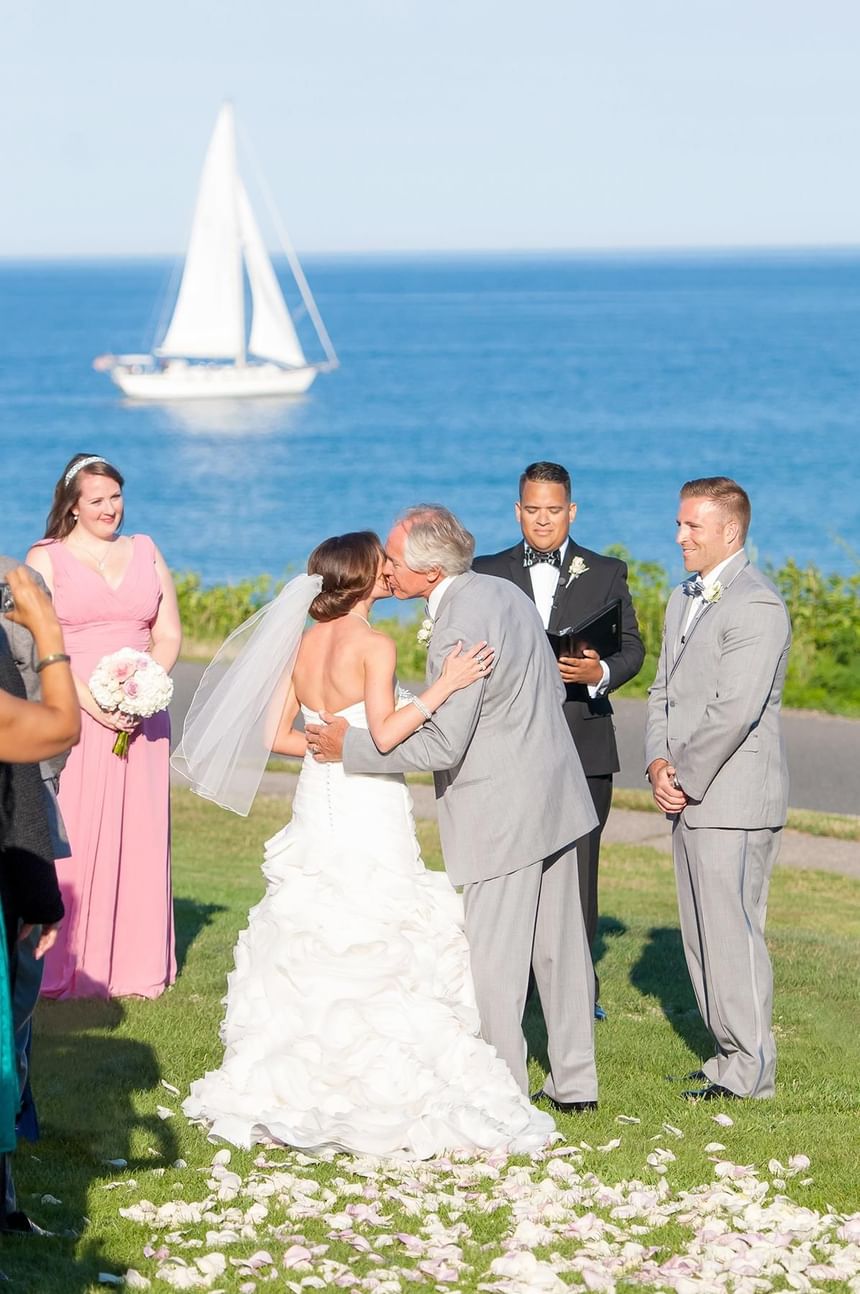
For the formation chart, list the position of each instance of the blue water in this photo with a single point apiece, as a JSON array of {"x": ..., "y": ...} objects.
[{"x": 637, "y": 373}]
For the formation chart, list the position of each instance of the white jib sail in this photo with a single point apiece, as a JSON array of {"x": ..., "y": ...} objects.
[
  {"x": 209, "y": 318},
  {"x": 272, "y": 333}
]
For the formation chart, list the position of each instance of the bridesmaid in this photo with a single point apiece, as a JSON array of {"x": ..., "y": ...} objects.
[{"x": 110, "y": 591}]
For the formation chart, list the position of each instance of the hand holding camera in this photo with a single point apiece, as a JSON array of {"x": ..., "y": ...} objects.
[{"x": 24, "y": 602}]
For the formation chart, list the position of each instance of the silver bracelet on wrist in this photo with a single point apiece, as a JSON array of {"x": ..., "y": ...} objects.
[{"x": 421, "y": 707}]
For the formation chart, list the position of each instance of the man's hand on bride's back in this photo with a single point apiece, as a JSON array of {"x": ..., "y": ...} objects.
[
  {"x": 325, "y": 740},
  {"x": 464, "y": 667}
]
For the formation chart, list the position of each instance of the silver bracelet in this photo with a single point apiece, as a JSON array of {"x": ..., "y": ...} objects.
[{"x": 420, "y": 707}]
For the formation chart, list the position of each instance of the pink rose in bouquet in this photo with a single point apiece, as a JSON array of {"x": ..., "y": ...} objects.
[{"x": 131, "y": 682}]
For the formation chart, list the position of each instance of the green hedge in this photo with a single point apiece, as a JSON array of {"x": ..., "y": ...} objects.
[{"x": 824, "y": 665}]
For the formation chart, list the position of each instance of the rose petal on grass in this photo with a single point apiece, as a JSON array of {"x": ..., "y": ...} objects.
[
  {"x": 163, "y": 1112},
  {"x": 135, "y": 1280},
  {"x": 627, "y": 1118},
  {"x": 713, "y": 1146},
  {"x": 723, "y": 1120},
  {"x": 169, "y": 1087}
]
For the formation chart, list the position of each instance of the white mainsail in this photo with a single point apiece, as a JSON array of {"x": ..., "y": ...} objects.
[
  {"x": 272, "y": 333},
  {"x": 209, "y": 319}
]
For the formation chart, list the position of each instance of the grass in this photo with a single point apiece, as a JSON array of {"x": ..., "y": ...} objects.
[{"x": 99, "y": 1067}]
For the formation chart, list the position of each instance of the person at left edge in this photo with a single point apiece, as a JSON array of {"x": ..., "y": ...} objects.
[{"x": 568, "y": 584}]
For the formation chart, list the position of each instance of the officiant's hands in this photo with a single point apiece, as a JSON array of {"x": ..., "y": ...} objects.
[
  {"x": 581, "y": 669},
  {"x": 325, "y": 740}
]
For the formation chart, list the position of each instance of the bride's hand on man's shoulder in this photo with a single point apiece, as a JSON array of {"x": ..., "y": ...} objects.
[{"x": 464, "y": 667}]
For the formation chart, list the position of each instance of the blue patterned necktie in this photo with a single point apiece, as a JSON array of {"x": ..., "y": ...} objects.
[
  {"x": 693, "y": 588},
  {"x": 533, "y": 556}
]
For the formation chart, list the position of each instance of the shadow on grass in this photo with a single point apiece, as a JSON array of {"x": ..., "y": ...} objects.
[
  {"x": 661, "y": 973},
  {"x": 190, "y": 918},
  {"x": 88, "y": 1077}
]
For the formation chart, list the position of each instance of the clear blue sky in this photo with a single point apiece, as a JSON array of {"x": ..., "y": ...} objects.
[{"x": 439, "y": 124}]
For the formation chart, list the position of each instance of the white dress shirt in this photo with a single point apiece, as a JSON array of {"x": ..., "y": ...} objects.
[
  {"x": 436, "y": 596},
  {"x": 544, "y": 578},
  {"x": 698, "y": 603}
]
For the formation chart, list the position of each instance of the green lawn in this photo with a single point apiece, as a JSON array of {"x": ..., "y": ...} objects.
[{"x": 99, "y": 1072}]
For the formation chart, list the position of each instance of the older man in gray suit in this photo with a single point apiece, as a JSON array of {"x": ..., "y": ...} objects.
[
  {"x": 511, "y": 801},
  {"x": 716, "y": 763}
]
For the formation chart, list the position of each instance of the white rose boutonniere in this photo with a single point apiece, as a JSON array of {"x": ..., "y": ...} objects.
[
  {"x": 425, "y": 632},
  {"x": 712, "y": 592},
  {"x": 577, "y": 568}
]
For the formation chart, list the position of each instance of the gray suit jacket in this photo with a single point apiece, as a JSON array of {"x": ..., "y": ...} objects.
[
  {"x": 510, "y": 793},
  {"x": 713, "y": 709}
]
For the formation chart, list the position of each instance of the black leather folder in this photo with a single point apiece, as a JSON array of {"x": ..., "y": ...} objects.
[{"x": 601, "y": 632}]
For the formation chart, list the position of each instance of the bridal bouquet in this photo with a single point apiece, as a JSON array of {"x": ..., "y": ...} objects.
[{"x": 133, "y": 683}]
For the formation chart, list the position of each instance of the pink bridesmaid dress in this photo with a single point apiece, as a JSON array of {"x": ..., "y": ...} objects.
[{"x": 117, "y": 936}]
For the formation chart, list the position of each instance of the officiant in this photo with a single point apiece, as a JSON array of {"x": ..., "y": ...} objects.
[{"x": 569, "y": 584}]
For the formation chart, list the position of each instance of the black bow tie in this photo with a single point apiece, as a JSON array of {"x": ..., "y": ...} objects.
[
  {"x": 693, "y": 588},
  {"x": 532, "y": 556}
]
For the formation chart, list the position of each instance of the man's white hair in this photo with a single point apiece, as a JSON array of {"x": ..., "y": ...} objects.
[{"x": 434, "y": 537}]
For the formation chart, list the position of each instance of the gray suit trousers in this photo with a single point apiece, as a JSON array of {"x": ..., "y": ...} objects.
[
  {"x": 723, "y": 875},
  {"x": 533, "y": 917}
]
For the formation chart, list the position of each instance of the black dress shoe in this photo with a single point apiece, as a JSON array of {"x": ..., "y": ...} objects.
[
  {"x": 17, "y": 1223},
  {"x": 713, "y": 1092},
  {"x": 562, "y": 1107}
]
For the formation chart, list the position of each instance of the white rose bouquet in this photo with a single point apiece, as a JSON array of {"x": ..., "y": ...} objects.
[{"x": 131, "y": 682}]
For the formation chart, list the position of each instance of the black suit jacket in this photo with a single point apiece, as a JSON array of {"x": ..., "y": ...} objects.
[{"x": 590, "y": 721}]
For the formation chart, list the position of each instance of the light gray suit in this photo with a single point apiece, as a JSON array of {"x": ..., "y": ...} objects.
[
  {"x": 713, "y": 713},
  {"x": 511, "y": 802}
]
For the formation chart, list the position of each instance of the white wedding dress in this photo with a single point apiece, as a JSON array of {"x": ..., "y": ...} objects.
[{"x": 351, "y": 1021}]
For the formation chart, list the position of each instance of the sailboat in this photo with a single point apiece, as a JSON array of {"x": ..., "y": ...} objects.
[{"x": 207, "y": 351}]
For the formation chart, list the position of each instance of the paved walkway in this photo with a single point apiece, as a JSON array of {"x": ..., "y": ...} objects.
[
  {"x": 823, "y": 750},
  {"x": 631, "y": 827},
  {"x": 824, "y": 763}
]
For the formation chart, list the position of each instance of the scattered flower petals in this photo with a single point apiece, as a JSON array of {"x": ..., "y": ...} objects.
[
  {"x": 627, "y": 1118},
  {"x": 50, "y": 1199},
  {"x": 723, "y": 1120},
  {"x": 169, "y": 1087},
  {"x": 163, "y": 1112}
]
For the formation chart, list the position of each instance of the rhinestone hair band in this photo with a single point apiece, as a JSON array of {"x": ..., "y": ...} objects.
[{"x": 85, "y": 462}]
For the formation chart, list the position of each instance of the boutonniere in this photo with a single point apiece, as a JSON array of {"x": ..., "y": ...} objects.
[
  {"x": 425, "y": 632},
  {"x": 577, "y": 567},
  {"x": 712, "y": 592}
]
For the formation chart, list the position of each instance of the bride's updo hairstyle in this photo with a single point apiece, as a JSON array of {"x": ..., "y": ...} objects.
[
  {"x": 348, "y": 565},
  {"x": 61, "y": 518}
]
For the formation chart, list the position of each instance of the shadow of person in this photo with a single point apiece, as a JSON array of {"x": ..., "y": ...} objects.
[
  {"x": 661, "y": 973},
  {"x": 607, "y": 928},
  {"x": 190, "y": 918},
  {"x": 91, "y": 1081}
]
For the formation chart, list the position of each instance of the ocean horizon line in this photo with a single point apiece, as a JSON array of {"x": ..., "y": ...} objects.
[{"x": 675, "y": 253}]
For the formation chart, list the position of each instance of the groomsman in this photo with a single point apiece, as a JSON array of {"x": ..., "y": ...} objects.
[
  {"x": 716, "y": 763},
  {"x": 568, "y": 584}
]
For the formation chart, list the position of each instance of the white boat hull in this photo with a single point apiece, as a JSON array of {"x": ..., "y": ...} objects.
[{"x": 180, "y": 381}]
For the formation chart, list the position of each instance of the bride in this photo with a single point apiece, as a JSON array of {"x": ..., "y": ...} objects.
[{"x": 351, "y": 1021}]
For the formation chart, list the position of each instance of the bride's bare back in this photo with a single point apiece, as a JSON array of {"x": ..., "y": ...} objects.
[{"x": 329, "y": 673}]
